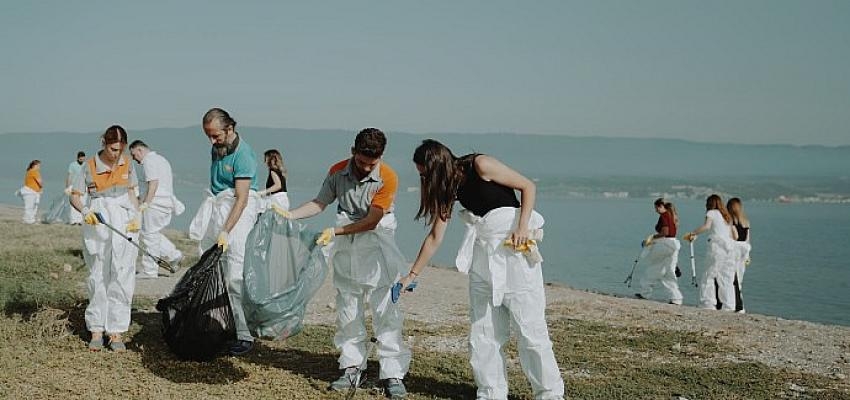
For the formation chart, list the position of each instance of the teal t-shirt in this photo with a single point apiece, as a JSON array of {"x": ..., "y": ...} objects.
[{"x": 240, "y": 163}]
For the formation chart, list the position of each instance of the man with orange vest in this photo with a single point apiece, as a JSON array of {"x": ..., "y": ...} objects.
[{"x": 110, "y": 181}]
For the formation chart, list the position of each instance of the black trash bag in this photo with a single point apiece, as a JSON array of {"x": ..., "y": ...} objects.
[{"x": 197, "y": 321}]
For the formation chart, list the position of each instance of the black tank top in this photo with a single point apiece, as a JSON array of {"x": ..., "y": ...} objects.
[
  {"x": 480, "y": 196},
  {"x": 270, "y": 181},
  {"x": 742, "y": 231}
]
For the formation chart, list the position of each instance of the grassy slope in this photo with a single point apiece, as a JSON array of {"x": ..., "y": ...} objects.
[{"x": 43, "y": 351}]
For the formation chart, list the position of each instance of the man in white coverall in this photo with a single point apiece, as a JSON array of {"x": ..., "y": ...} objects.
[
  {"x": 232, "y": 212},
  {"x": 157, "y": 205},
  {"x": 366, "y": 260},
  {"x": 75, "y": 169}
]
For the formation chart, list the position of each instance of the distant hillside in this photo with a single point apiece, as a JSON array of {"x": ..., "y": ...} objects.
[{"x": 561, "y": 163}]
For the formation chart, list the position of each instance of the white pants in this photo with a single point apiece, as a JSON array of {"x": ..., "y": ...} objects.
[
  {"x": 31, "y": 200},
  {"x": 366, "y": 265},
  {"x": 112, "y": 267},
  {"x": 280, "y": 199},
  {"x": 506, "y": 290},
  {"x": 154, "y": 220},
  {"x": 523, "y": 308},
  {"x": 234, "y": 257},
  {"x": 660, "y": 259},
  {"x": 719, "y": 266}
]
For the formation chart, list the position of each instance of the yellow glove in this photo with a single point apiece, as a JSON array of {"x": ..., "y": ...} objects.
[
  {"x": 690, "y": 236},
  {"x": 223, "y": 240},
  {"x": 747, "y": 262},
  {"x": 89, "y": 217},
  {"x": 522, "y": 248},
  {"x": 134, "y": 225},
  {"x": 326, "y": 237},
  {"x": 143, "y": 207},
  {"x": 280, "y": 211},
  {"x": 647, "y": 241}
]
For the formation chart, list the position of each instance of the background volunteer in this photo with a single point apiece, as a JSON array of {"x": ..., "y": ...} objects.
[
  {"x": 31, "y": 191},
  {"x": 75, "y": 169},
  {"x": 157, "y": 206}
]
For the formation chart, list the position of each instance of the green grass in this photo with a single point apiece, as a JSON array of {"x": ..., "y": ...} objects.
[{"x": 44, "y": 356}]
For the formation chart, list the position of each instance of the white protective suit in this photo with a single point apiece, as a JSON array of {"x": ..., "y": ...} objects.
[
  {"x": 504, "y": 290},
  {"x": 740, "y": 254},
  {"x": 75, "y": 216},
  {"x": 207, "y": 224},
  {"x": 660, "y": 259},
  {"x": 31, "y": 199},
  {"x": 112, "y": 263},
  {"x": 154, "y": 220},
  {"x": 280, "y": 199},
  {"x": 719, "y": 265},
  {"x": 366, "y": 265}
]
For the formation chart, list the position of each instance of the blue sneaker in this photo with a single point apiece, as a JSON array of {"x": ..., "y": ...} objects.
[
  {"x": 241, "y": 347},
  {"x": 396, "y": 389}
]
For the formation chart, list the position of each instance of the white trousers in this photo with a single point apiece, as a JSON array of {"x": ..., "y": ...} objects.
[
  {"x": 234, "y": 257},
  {"x": 112, "y": 267},
  {"x": 365, "y": 267},
  {"x": 154, "y": 220},
  {"x": 523, "y": 308},
  {"x": 660, "y": 260},
  {"x": 31, "y": 200},
  {"x": 719, "y": 266}
]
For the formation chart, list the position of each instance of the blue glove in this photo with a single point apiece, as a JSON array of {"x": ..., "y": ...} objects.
[{"x": 396, "y": 290}]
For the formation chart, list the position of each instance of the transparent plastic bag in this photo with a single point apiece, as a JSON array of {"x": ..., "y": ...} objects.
[
  {"x": 284, "y": 267},
  {"x": 59, "y": 211},
  {"x": 197, "y": 321}
]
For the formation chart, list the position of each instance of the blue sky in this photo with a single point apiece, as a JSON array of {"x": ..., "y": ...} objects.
[{"x": 731, "y": 71}]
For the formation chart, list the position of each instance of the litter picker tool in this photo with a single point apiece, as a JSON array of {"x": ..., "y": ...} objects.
[
  {"x": 628, "y": 280},
  {"x": 693, "y": 265},
  {"x": 159, "y": 261},
  {"x": 395, "y": 293}
]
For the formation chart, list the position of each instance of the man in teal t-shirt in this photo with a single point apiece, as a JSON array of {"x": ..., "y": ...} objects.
[{"x": 234, "y": 169}]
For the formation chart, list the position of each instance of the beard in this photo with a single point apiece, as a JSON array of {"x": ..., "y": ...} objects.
[{"x": 220, "y": 149}]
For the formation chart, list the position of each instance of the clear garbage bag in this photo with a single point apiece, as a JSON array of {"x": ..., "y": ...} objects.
[{"x": 284, "y": 267}]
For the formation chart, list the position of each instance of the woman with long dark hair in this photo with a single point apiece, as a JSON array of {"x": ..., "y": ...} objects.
[
  {"x": 661, "y": 255},
  {"x": 276, "y": 181},
  {"x": 719, "y": 268},
  {"x": 741, "y": 254},
  {"x": 500, "y": 254}
]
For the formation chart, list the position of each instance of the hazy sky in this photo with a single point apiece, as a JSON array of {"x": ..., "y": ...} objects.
[{"x": 733, "y": 71}]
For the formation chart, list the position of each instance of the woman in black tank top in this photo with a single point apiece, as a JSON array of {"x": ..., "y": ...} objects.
[
  {"x": 276, "y": 181},
  {"x": 742, "y": 226},
  {"x": 486, "y": 187}
]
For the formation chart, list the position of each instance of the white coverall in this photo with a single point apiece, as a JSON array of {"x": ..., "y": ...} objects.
[
  {"x": 112, "y": 263},
  {"x": 154, "y": 220},
  {"x": 280, "y": 199},
  {"x": 207, "y": 224},
  {"x": 660, "y": 259},
  {"x": 31, "y": 200},
  {"x": 75, "y": 216},
  {"x": 504, "y": 290},
  {"x": 366, "y": 265},
  {"x": 719, "y": 265}
]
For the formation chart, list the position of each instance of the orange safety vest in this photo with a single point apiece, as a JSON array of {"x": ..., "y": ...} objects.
[{"x": 116, "y": 178}]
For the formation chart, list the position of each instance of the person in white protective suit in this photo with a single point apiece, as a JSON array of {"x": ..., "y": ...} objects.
[
  {"x": 500, "y": 254},
  {"x": 275, "y": 191},
  {"x": 110, "y": 181},
  {"x": 228, "y": 215},
  {"x": 366, "y": 261},
  {"x": 75, "y": 169},
  {"x": 742, "y": 248},
  {"x": 661, "y": 255},
  {"x": 158, "y": 204},
  {"x": 719, "y": 265},
  {"x": 30, "y": 192}
]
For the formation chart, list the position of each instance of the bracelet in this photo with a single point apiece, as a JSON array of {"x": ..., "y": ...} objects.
[{"x": 413, "y": 273}]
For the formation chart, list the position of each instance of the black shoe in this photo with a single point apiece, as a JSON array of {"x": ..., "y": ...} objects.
[
  {"x": 678, "y": 272},
  {"x": 639, "y": 296},
  {"x": 241, "y": 347}
]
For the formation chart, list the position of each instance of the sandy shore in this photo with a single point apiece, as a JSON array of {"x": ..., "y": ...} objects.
[{"x": 442, "y": 299}]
